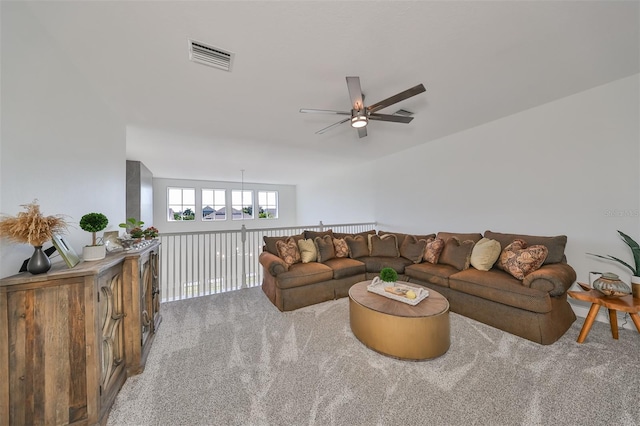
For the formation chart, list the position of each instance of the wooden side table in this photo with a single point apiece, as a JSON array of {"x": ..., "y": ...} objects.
[{"x": 613, "y": 304}]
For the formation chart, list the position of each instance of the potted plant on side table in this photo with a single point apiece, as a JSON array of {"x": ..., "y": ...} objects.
[
  {"x": 94, "y": 222},
  {"x": 635, "y": 269},
  {"x": 150, "y": 233}
]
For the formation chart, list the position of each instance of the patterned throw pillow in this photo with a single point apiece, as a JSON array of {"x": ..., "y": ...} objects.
[
  {"x": 341, "y": 248},
  {"x": 384, "y": 246},
  {"x": 358, "y": 246},
  {"x": 324, "y": 246},
  {"x": 413, "y": 249},
  {"x": 288, "y": 251},
  {"x": 308, "y": 252},
  {"x": 456, "y": 253},
  {"x": 520, "y": 260},
  {"x": 433, "y": 249}
]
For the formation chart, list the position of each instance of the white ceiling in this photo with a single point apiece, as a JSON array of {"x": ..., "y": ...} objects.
[{"x": 478, "y": 60}]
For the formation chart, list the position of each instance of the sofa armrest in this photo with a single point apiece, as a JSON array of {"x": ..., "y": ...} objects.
[
  {"x": 555, "y": 278},
  {"x": 272, "y": 263}
]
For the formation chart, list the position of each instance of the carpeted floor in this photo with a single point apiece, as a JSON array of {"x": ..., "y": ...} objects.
[{"x": 234, "y": 359}]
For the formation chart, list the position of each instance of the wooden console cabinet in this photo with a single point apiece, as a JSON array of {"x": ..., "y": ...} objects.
[{"x": 70, "y": 338}]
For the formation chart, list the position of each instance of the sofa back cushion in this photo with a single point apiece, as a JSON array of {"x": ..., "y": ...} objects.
[
  {"x": 324, "y": 246},
  {"x": 384, "y": 246},
  {"x": 456, "y": 253},
  {"x": 347, "y": 234},
  {"x": 413, "y": 248},
  {"x": 474, "y": 236},
  {"x": 400, "y": 237},
  {"x": 358, "y": 246},
  {"x": 555, "y": 245},
  {"x": 313, "y": 234}
]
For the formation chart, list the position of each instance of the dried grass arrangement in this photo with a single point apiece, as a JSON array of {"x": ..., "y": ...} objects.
[{"x": 31, "y": 226}]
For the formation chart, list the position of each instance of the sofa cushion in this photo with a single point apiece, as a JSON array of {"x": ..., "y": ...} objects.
[
  {"x": 413, "y": 249},
  {"x": 308, "y": 251},
  {"x": 485, "y": 253},
  {"x": 500, "y": 287},
  {"x": 520, "y": 260},
  {"x": 385, "y": 246},
  {"x": 456, "y": 253},
  {"x": 347, "y": 234},
  {"x": 270, "y": 242},
  {"x": 340, "y": 247},
  {"x": 288, "y": 251},
  {"x": 313, "y": 234},
  {"x": 344, "y": 267},
  {"x": 301, "y": 274},
  {"x": 324, "y": 246},
  {"x": 400, "y": 237},
  {"x": 433, "y": 250},
  {"x": 358, "y": 246},
  {"x": 437, "y": 274},
  {"x": 475, "y": 236},
  {"x": 555, "y": 245},
  {"x": 376, "y": 263}
]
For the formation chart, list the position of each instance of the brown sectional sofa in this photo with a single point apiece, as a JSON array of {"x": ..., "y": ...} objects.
[{"x": 534, "y": 308}]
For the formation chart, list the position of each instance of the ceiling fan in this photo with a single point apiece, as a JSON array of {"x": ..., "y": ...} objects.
[{"x": 361, "y": 114}]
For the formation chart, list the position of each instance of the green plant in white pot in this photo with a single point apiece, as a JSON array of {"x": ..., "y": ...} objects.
[
  {"x": 94, "y": 222},
  {"x": 635, "y": 268}
]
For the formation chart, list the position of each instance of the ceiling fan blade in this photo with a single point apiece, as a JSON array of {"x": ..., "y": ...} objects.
[
  {"x": 355, "y": 93},
  {"x": 325, "y": 111},
  {"x": 415, "y": 90},
  {"x": 362, "y": 132},
  {"x": 389, "y": 117},
  {"x": 321, "y": 131}
]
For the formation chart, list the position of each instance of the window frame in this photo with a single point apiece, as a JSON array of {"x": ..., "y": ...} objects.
[
  {"x": 267, "y": 205},
  {"x": 183, "y": 205},
  {"x": 216, "y": 207},
  {"x": 243, "y": 205}
]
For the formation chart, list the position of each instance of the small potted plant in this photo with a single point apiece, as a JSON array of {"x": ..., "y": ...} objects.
[
  {"x": 150, "y": 233},
  {"x": 130, "y": 224},
  {"x": 136, "y": 233},
  {"x": 635, "y": 268},
  {"x": 388, "y": 275},
  {"x": 94, "y": 222}
]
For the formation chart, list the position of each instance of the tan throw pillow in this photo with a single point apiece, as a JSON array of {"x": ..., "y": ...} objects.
[
  {"x": 358, "y": 246},
  {"x": 341, "y": 248},
  {"x": 413, "y": 249},
  {"x": 384, "y": 246},
  {"x": 433, "y": 249},
  {"x": 324, "y": 246},
  {"x": 308, "y": 252},
  {"x": 520, "y": 260},
  {"x": 484, "y": 254},
  {"x": 288, "y": 251},
  {"x": 456, "y": 253}
]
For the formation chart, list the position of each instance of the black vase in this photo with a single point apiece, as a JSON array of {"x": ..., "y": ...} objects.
[{"x": 39, "y": 262}]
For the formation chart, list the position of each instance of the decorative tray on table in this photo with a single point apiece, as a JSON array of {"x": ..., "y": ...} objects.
[{"x": 397, "y": 291}]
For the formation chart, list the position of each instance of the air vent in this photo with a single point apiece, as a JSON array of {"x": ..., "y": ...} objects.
[
  {"x": 403, "y": 112},
  {"x": 210, "y": 56}
]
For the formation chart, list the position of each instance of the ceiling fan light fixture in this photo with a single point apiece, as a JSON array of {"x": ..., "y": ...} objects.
[{"x": 359, "y": 119}]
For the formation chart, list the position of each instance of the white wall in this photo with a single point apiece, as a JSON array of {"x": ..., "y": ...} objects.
[
  {"x": 59, "y": 144},
  {"x": 339, "y": 198},
  {"x": 286, "y": 200}
]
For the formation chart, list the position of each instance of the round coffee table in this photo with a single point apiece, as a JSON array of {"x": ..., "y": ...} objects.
[{"x": 398, "y": 329}]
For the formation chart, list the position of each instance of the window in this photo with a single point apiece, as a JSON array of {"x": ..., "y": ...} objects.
[
  {"x": 182, "y": 204},
  {"x": 268, "y": 204},
  {"x": 242, "y": 204},
  {"x": 214, "y": 204}
]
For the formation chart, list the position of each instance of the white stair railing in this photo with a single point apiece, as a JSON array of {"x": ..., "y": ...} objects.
[{"x": 201, "y": 263}]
